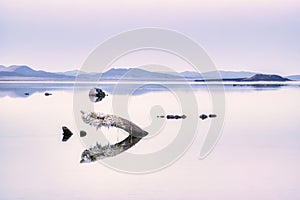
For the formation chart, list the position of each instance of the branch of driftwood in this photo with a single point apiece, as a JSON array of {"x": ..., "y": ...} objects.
[{"x": 99, "y": 120}]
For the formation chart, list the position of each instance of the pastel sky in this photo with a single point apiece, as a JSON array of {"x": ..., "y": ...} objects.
[{"x": 257, "y": 35}]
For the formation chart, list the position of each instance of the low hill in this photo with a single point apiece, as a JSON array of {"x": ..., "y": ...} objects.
[
  {"x": 25, "y": 72},
  {"x": 294, "y": 77},
  {"x": 256, "y": 77},
  {"x": 266, "y": 77}
]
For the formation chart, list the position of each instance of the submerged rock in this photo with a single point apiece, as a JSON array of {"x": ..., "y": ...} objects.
[
  {"x": 82, "y": 133},
  {"x": 96, "y": 95},
  {"x": 48, "y": 94},
  {"x": 170, "y": 117},
  {"x": 212, "y": 115},
  {"x": 176, "y": 116},
  {"x": 66, "y": 134},
  {"x": 203, "y": 116}
]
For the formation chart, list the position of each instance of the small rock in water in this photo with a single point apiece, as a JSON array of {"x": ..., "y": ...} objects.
[
  {"x": 212, "y": 115},
  {"x": 203, "y": 116},
  {"x": 176, "y": 117},
  {"x": 26, "y": 93},
  {"x": 47, "y": 94},
  {"x": 66, "y": 133},
  {"x": 96, "y": 95},
  {"x": 170, "y": 117},
  {"x": 82, "y": 133},
  {"x": 162, "y": 116}
]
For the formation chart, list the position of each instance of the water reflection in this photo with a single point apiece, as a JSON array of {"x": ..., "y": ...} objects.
[
  {"x": 23, "y": 90},
  {"x": 256, "y": 158}
]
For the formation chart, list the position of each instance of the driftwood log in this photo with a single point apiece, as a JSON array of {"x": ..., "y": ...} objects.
[{"x": 99, "y": 152}]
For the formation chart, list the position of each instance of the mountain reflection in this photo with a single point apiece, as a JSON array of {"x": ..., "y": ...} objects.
[{"x": 24, "y": 90}]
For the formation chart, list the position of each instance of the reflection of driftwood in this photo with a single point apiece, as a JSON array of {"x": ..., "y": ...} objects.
[{"x": 99, "y": 152}]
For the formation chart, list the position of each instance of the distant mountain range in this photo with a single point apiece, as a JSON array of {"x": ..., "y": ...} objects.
[
  {"x": 16, "y": 72},
  {"x": 256, "y": 77},
  {"x": 22, "y": 72}
]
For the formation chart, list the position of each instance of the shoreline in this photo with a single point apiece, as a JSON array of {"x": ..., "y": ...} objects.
[{"x": 213, "y": 82}]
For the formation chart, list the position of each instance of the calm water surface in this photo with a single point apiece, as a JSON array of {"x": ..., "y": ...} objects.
[{"x": 257, "y": 156}]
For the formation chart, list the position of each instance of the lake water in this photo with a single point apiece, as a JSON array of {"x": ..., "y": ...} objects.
[{"x": 257, "y": 156}]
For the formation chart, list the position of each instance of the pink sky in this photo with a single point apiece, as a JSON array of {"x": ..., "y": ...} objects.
[{"x": 237, "y": 35}]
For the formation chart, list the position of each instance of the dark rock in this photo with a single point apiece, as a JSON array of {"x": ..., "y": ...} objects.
[
  {"x": 96, "y": 95},
  {"x": 162, "y": 116},
  {"x": 47, "y": 94},
  {"x": 170, "y": 117},
  {"x": 26, "y": 93},
  {"x": 66, "y": 133},
  {"x": 212, "y": 115},
  {"x": 203, "y": 116},
  {"x": 82, "y": 133},
  {"x": 176, "y": 117}
]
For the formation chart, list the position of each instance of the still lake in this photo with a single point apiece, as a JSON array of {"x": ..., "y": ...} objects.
[{"x": 257, "y": 156}]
